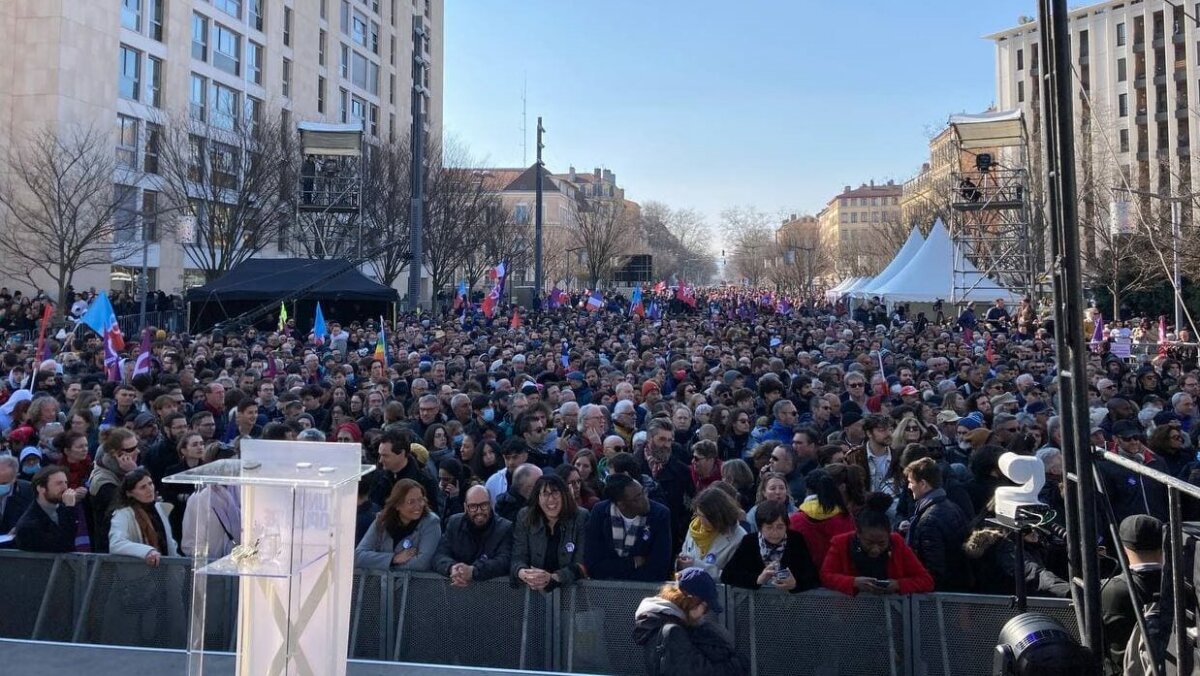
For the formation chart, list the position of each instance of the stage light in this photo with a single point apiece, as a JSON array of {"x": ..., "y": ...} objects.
[{"x": 1035, "y": 644}]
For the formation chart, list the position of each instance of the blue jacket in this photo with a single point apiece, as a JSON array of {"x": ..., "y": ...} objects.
[
  {"x": 779, "y": 432},
  {"x": 654, "y": 543}
]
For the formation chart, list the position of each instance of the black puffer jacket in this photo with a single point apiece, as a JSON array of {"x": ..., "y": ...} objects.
[
  {"x": 673, "y": 648},
  {"x": 936, "y": 533}
]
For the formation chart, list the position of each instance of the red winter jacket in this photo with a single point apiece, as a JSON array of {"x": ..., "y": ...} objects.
[
  {"x": 818, "y": 533},
  {"x": 903, "y": 566}
]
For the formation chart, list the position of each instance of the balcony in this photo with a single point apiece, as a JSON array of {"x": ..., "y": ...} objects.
[
  {"x": 1139, "y": 80},
  {"x": 1177, "y": 38},
  {"x": 1143, "y": 156},
  {"x": 1181, "y": 112},
  {"x": 1139, "y": 47}
]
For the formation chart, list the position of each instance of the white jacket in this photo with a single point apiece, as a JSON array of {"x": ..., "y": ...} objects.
[
  {"x": 722, "y": 549},
  {"x": 217, "y": 533},
  {"x": 125, "y": 538}
]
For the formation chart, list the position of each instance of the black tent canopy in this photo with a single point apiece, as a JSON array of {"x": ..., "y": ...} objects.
[{"x": 344, "y": 292}]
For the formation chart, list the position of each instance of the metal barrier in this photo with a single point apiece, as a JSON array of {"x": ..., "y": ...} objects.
[{"x": 419, "y": 617}]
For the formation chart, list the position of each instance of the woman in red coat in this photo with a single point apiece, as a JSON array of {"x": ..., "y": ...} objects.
[
  {"x": 873, "y": 559},
  {"x": 822, "y": 516}
]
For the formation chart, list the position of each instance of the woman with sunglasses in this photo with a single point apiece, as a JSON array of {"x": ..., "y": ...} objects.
[{"x": 736, "y": 443}]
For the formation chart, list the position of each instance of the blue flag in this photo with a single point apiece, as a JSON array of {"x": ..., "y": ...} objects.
[
  {"x": 319, "y": 328},
  {"x": 566, "y": 353}
]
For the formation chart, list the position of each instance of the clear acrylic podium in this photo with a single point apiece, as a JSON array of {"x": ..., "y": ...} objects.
[{"x": 295, "y": 565}]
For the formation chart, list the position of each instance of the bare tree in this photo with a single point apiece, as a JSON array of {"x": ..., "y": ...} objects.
[
  {"x": 803, "y": 257},
  {"x": 233, "y": 181},
  {"x": 749, "y": 243},
  {"x": 681, "y": 242},
  {"x": 64, "y": 211},
  {"x": 387, "y": 209},
  {"x": 457, "y": 203},
  {"x": 502, "y": 239},
  {"x": 603, "y": 233}
]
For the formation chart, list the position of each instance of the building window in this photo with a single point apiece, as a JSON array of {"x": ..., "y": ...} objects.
[
  {"x": 287, "y": 26},
  {"x": 1083, "y": 43},
  {"x": 358, "y": 111},
  {"x": 150, "y": 215},
  {"x": 154, "y": 74},
  {"x": 358, "y": 71},
  {"x": 374, "y": 38},
  {"x": 853, "y": 216},
  {"x": 131, "y": 15},
  {"x": 392, "y": 89},
  {"x": 255, "y": 16},
  {"x": 1122, "y": 73},
  {"x": 224, "y": 165},
  {"x": 156, "y": 19},
  {"x": 324, "y": 9},
  {"x": 345, "y": 62},
  {"x": 125, "y": 214},
  {"x": 227, "y": 50},
  {"x": 231, "y": 7},
  {"x": 254, "y": 62},
  {"x": 1122, "y": 105},
  {"x": 373, "y": 120},
  {"x": 150, "y": 152},
  {"x": 1020, "y": 59},
  {"x": 343, "y": 105},
  {"x": 392, "y": 50},
  {"x": 127, "y": 133},
  {"x": 198, "y": 100},
  {"x": 253, "y": 113},
  {"x": 1020, "y": 92},
  {"x": 130, "y": 71},
  {"x": 225, "y": 107},
  {"x": 321, "y": 48},
  {"x": 199, "y": 38},
  {"x": 358, "y": 30},
  {"x": 287, "y": 77},
  {"x": 1120, "y": 34},
  {"x": 320, "y": 94},
  {"x": 521, "y": 213},
  {"x": 1123, "y": 139}
]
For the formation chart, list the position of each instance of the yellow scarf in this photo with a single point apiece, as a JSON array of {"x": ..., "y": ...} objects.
[
  {"x": 816, "y": 512},
  {"x": 703, "y": 537}
]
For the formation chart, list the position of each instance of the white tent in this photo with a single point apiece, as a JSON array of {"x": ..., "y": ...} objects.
[
  {"x": 911, "y": 246},
  {"x": 858, "y": 284},
  {"x": 930, "y": 275},
  {"x": 840, "y": 288}
]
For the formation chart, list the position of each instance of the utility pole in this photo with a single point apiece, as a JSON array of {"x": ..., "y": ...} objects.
[
  {"x": 1177, "y": 291},
  {"x": 417, "y": 170},
  {"x": 538, "y": 281}
]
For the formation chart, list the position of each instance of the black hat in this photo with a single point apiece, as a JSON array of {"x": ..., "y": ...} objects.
[
  {"x": 1126, "y": 428},
  {"x": 1141, "y": 533}
]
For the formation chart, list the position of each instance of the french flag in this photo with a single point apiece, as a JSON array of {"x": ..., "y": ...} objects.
[
  {"x": 101, "y": 318},
  {"x": 595, "y": 301}
]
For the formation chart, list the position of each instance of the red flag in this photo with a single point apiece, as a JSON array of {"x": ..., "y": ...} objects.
[
  {"x": 1162, "y": 336},
  {"x": 47, "y": 313},
  {"x": 515, "y": 322},
  {"x": 491, "y": 301},
  {"x": 988, "y": 353}
]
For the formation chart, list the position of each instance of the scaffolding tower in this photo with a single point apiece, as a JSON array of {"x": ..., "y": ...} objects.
[
  {"x": 990, "y": 212},
  {"x": 330, "y": 187}
]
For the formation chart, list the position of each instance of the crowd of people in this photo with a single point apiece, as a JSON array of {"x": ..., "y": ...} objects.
[{"x": 735, "y": 437}]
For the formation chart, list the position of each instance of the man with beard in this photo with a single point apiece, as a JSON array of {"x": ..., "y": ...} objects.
[
  {"x": 673, "y": 479},
  {"x": 164, "y": 451},
  {"x": 49, "y": 524},
  {"x": 476, "y": 545}
]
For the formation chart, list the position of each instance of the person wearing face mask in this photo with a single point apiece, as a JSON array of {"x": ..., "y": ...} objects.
[
  {"x": 31, "y": 462},
  {"x": 16, "y": 494}
]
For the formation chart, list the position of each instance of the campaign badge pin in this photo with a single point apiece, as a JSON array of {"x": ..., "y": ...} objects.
[
  {"x": 406, "y": 544},
  {"x": 646, "y": 535},
  {"x": 711, "y": 558},
  {"x": 570, "y": 547}
]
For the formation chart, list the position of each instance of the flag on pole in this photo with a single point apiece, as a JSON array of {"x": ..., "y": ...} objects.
[
  {"x": 1098, "y": 334},
  {"x": 515, "y": 322},
  {"x": 653, "y": 311},
  {"x": 381, "y": 345},
  {"x": 142, "y": 365},
  {"x": 460, "y": 295},
  {"x": 101, "y": 318},
  {"x": 282, "y": 316},
  {"x": 565, "y": 357},
  {"x": 635, "y": 302},
  {"x": 595, "y": 301},
  {"x": 555, "y": 298},
  {"x": 491, "y": 301},
  {"x": 319, "y": 328},
  {"x": 43, "y": 347},
  {"x": 660, "y": 287}
]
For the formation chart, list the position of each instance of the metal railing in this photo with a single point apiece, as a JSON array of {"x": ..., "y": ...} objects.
[{"x": 419, "y": 617}]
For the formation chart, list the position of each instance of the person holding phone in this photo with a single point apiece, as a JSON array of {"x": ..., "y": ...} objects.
[
  {"x": 773, "y": 556},
  {"x": 873, "y": 559}
]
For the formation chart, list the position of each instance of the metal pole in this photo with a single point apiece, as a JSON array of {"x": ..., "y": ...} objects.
[
  {"x": 144, "y": 283},
  {"x": 538, "y": 281},
  {"x": 1068, "y": 325},
  {"x": 1177, "y": 291},
  {"x": 417, "y": 170}
]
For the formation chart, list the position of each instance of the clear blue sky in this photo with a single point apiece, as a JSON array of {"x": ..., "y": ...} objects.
[{"x": 772, "y": 103}]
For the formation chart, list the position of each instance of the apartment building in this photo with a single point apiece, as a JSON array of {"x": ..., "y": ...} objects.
[
  {"x": 851, "y": 221},
  {"x": 133, "y": 63},
  {"x": 1136, "y": 78}
]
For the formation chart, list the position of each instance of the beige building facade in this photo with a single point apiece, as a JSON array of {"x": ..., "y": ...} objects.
[
  {"x": 851, "y": 222},
  {"x": 125, "y": 64}
]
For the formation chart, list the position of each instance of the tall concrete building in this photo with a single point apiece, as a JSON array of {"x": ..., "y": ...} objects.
[
  {"x": 851, "y": 223},
  {"x": 124, "y": 64},
  {"x": 1135, "y": 79}
]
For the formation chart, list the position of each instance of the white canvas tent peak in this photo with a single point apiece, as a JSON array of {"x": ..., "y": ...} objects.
[
  {"x": 840, "y": 288},
  {"x": 910, "y": 248},
  {"x": 930, "y": 276}
]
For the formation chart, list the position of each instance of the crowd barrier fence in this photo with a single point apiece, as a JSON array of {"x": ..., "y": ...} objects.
[{"x": 585, "y": 628}]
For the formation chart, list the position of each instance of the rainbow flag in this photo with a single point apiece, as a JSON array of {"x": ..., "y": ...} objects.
[{"x": 381, "y": 345}]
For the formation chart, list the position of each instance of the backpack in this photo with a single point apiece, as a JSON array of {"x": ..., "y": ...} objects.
[{"x": 1144, "y": 649}]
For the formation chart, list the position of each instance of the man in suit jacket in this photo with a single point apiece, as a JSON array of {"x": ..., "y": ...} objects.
[
  {"x": 15, "y": 494},
  {"x": 49, "y": 524}
]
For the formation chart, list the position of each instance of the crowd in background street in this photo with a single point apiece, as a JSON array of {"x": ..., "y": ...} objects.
[{"x": 725, "y": 435}]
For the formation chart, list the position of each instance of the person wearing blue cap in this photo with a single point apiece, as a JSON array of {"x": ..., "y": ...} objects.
[{"x": 677, "y": 634}]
